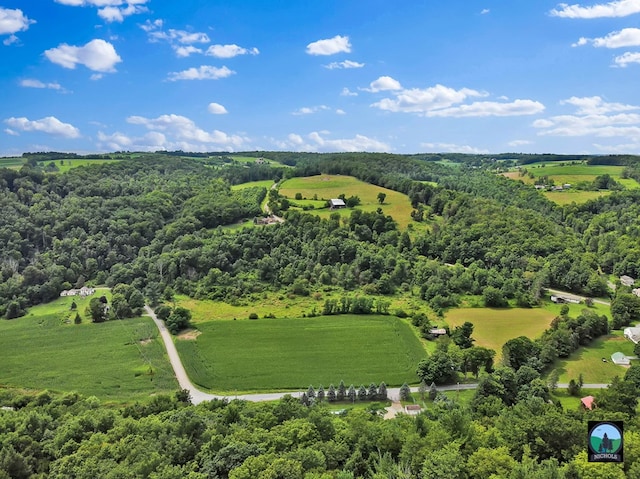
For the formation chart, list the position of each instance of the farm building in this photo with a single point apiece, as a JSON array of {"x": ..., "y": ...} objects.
[
  {"x": 564, "y": 299},
  {"x": 636, "y": 291},
  {"x": 627, "y": 280},
  {"x": 588, "y": 402},
  {"x": 620, "y": 359},
  {"x": 337, "y": 203},
  {"x": 632, "y": 334},
  {"x": 438, "y": 332}
]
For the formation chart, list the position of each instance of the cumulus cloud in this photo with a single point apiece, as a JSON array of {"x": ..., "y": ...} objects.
[
  {"x": 443, "y": 101},
  {"x": 151, "y": 141},
  {"x": 205, "y": 72},
  {"x": 627, "y": 58},
  {"x": 185, "y": 51},
  {"x": 452, "y": 148},
  {"x": 217, "y": 109},
  {"x": 346, "y": 92},
  {"x": 384, "y": 83},
  {"x": 340, "y": 111},
  {"x": 33, "y": 83},
  {"x": 308, "y": 110},
  {"x": 181, "y": 41},
  {"x": 620, "y": 8},
  {"x": 110, "y": 10},
  {"x": 181, "y": 131},
  {"x": 230, "y": 51},
  {"x": 484, "y": 11},
  {"x": 627, "y": 37},
  {"x": 11, "y": 22},
  {"x": 330, "y": 46},
  {"x": 50, "y": 125},
  {"x": 593, "y": 117},
  {"x": 317, "y": 142},
  {"x": 97, "y": 55},
  {"x": 344, "y": 65}
]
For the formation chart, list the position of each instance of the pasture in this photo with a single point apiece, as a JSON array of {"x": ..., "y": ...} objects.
[
  {"x": 253, "y": 184},
  {"x": 117, "y": 361},
  {"x": 290, "y": 354},
  {"x": 588, "y": 360},
  {"x": 494, "y": 327},
  {"x": 325, "y": 187},
  {"x": 12, "y": 162},
  {"x": 68, "y": 164}
]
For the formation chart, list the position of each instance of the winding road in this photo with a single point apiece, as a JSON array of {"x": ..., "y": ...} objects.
[{"x": 198, "y": 396}]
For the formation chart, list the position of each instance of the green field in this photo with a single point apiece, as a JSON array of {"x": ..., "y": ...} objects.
[
  {"x": 588, "y": 361},
  {"x": 73, "y": 163},
  {"x": 325, "y": 187},
  {"x": 12, "y": 162},
  {"x": 574, "y": 196},
  {"x": 252, "y": 184},
  {"x": 285, "y": 354},
  {"x": 494, "y": 327},
  {"x": 116, "y": 361}
]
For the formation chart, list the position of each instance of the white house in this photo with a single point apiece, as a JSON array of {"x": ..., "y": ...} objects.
[{"x": 632, "y": 334}]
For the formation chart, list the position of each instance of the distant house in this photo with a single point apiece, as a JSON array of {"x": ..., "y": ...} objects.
[
  {"x": 636, "y": 291},
  {"x": 627, "y": 280},
  {"x": 413, "y": 409},
  {"x": 588, "y": 402},
  {"x": 632, "y": 334},
  {"x": 83, "y": 292},
  {"x": 337, "y": 203},
  {"x": 564, "y": 299},
  {"x": 620, "y": 359},
  {"x": 261, "y": 161},
  {"x": 540, "y": 187},
  {"x": 438, "y": 332}
]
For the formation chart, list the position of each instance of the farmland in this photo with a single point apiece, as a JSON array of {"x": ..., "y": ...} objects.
[
  {"x": 325, "y": 187},
  {"x": 116, "y": 361},
  {"x": 281, "y": 354}
]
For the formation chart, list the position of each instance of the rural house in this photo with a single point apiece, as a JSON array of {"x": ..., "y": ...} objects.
[
  {"x": 337, "y": 203},
  {"x": 632, "y": 334}
]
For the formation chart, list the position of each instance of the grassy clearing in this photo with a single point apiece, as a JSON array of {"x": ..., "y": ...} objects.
[
  {"x": 68, "y": 164},
  {"x": 574, "y": 196},
  {"x": 12, "y": 162},
  {"x": 494, "y": 327},
  {"x": 253, "y": 184},
  {"x": 588, "y": 360},
  {"x": 273, "y": 354},
  {"x": 325, "y": 187},
  {"x": 116, "y": 361}
]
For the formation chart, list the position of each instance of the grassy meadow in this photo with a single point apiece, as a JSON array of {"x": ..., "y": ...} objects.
[
  {"x": 12, "y": 162},
  {"x": 325, "y": 187},
  {"x": 68, "y": 164},
  {"x": 282, "y": 354},
  {"x": 117, "y": 361}
]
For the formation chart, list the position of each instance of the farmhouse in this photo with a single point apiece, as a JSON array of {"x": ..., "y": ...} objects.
[
  {"x": 632, "y": 334},
  {"x": 83, "y": 292},
  {"x": 627, "y": 280},
  {"x": 337, "y": 203},
  {"x": 620, "y": 359}
]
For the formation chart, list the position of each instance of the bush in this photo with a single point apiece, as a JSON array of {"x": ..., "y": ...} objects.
[{"x": 253, "y": 316}]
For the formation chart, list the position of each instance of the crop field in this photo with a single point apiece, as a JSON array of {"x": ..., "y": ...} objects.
[
  {"x": 285, "y": 354},
  {"x": 325, "y": 187},
  {"x": 494, "y": 327},
  {"x": 11, "y": 162},
  {"x": 68, "y": 164},
  {"x": 116, "y": 361},
  {"x": 574, "y": 196},
  {"x": 588, "y": 360}
]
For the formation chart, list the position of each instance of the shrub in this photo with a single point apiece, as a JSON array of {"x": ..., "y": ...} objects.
[{"x": 253, "y": 316}]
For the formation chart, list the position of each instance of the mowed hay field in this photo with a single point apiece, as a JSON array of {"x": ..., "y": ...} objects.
[
  {"x": 291, "y": 354},
  {"x": 69, "y": 164},
  {"x": 494, "y": 327},
  {"x": 116, "y": 361},
  {"x": 396, "y": 205}
]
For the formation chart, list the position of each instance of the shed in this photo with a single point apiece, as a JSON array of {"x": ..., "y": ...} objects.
[
  {"x": 438, "y": 332},
  {"x": 620, "y": 358},
  {"x": 337, "y": 203}
]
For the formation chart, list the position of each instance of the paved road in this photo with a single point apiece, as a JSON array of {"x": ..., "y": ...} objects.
[{"x": 198, "y": 396}]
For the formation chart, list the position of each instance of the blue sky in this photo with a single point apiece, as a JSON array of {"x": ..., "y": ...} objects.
[{"x": 471, "y": 76}]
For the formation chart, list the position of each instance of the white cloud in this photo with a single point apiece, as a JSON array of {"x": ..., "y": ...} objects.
[
  {"x": 330, "y": 46},
  {"x": 340, "y": 111},
  {"x": 180, "y": 36},
  {"x": 32, "y": 83},
  {"x": 345, "y": 64},
  {"x": 452, "y": 148},
  {"x": 490, "y": 108},
  {"x": 230, "y": 51},
  {"x": 11, "y": 22},
  {"x": 317, "y": 142},
  {"x": 205, "y": 72},
  {"x": 346, "y": 92},
  {"x": 151, "y": 141},
  {"x": 183, "y": 133},
  {"x": 308, "y": 110},
  {"x": 97, "y": 55},
  {"x": 96, "y": 76},
  {"x": 384, "y": 83},
  {"x": 620, "y": 8},
  {"x": 627, "y": 58},
  {"x": 150, "y": 26},
  {"x": 425, "y": 100},
  {"x": 185, "y": 51},
  {"x": 627, "y": 37},
  {"x": 9, "y": 131},
  {"x": 217, "y": 109},
  {"x": 484, "y": 11},
  {"x": 50, "y": 125},
  {"x": 593, "y": 117},
  {"x": 111, "y": 10},
  {"x": 519, "y": 143}
]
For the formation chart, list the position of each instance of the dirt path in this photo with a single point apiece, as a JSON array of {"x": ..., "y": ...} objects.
[{"x": 575, "y": 296}]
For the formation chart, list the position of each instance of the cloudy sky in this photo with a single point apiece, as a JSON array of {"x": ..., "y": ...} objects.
[{"x": 471, "y": 76}]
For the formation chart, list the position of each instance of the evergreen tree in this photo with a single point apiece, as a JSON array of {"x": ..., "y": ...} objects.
[
  {"x": 342, "y": 391},
  {"x": 331, "y": 393},
  {"x": 372, "y": 393},
  {"x": 351, "y": 393},
  {"x": 320, "y": 395},
  {"x": 311, "y": 393},
  {"x": 433, "y": 391},
  {"x": 405, "y": 392},
  {"x": 362, "y": 393},
  {"x": 382, "y": 392}
]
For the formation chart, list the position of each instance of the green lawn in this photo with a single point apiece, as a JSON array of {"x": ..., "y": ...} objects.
[
  {"x": 282, "y": 354},
  {"x": 116, "y": 361},
  {"x": 588, "y": 360},
  {"x": 325, "y": 187}
]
